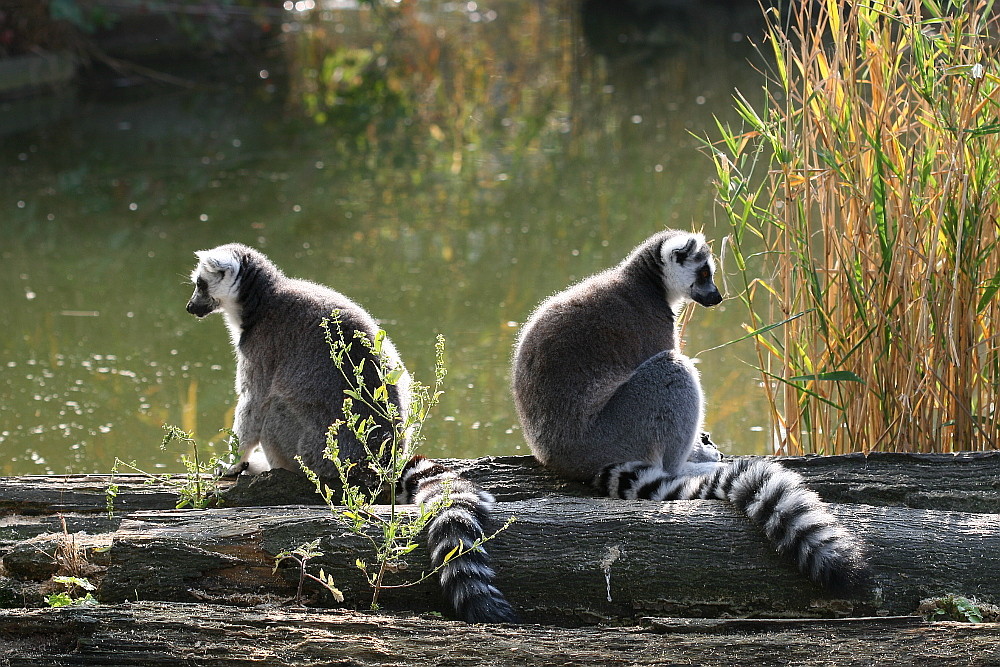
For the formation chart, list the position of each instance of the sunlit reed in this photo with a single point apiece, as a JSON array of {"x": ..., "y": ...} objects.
[{"x": 863, "y": 199}]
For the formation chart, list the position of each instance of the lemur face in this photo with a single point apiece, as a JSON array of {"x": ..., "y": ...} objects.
[
  {"x": 688, "y": 268},
  {"x": 215, "y": 281}
]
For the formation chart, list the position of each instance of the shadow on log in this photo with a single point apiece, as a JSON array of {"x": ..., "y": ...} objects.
[{"x": 152, "y": 633}]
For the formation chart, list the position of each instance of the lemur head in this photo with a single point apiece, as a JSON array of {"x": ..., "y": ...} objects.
[
  {"x": 688, "y": 268},
  {"x": 216, "y": 280}
]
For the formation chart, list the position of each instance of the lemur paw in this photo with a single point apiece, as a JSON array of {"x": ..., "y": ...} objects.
[{"x": 233, "y": 470}]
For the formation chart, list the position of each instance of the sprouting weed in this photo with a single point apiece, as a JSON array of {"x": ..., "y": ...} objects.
[
  {"x": 958, "y": 608},
  {"x": 301, "y": 555},
  {"x": 77, "y": 593},
  {"x": 391, "y": 536},
  {"x": 198, "y": 487}
]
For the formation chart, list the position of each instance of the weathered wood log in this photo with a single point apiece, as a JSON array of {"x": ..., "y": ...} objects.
[
  {"x": 560, "y": 562},
  {"x": 964, "y": 482},
  {"x": 153, "y": 633},
  {"x": 961, "y": 482},
  {"x": 565, "y": 560},
  {"x": 37, "y": 495}
]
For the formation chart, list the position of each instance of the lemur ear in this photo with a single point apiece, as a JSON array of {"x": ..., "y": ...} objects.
[{"x": 681, "y": 254}]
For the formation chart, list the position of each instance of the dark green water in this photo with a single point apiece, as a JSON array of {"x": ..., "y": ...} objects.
[{"x": 448, "y": 172}]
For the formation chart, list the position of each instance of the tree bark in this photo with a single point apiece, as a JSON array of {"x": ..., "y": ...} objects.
[
  {"x": 569, "y": 559},
  {"x": 564, "y": 560},
  {"x": 152, "y": 633},
  {"x": 963, "y": 482}
]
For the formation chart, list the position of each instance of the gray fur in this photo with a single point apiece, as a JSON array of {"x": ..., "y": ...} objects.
[
  {"x": 289, "y": 391},
  {"x": 605, "y": 395},
  {"x": 598, "y": 377}
]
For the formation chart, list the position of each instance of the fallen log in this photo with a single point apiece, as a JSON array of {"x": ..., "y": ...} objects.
[
  {"x": 152, "y": 633},
  {"x": 963, "y": 482},
  {"x": 564, "y": 560}
]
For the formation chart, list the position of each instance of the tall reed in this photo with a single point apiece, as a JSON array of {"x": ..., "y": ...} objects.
[{"x": 864, "y": 195}]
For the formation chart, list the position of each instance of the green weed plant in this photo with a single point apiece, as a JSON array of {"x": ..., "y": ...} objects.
[
  {"x": 197, "y": 487},
  {"x": 390, "y": 531},
  {"x": 76, "y": 593},
  {"x": 958, "y": 608}
]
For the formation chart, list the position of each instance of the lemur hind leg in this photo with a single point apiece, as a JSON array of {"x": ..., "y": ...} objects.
[{"x": 656, "y": 415}]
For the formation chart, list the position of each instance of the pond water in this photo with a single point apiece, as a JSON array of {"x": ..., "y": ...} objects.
[{"x": 448, "y": 169}]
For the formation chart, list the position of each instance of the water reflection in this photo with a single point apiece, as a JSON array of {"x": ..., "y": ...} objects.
[{"x": 448, "y": 166}]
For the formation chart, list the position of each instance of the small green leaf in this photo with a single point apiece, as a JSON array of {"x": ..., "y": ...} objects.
[
  {"x": 59, "y": 600},
  {"x": 79, "y": 582},
  {"x": 393, "y": 375}
]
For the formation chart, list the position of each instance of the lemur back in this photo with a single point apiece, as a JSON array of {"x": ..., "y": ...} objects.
[
  {"x": 289, "y": 392},
  {"x": 604, "y": 395}
]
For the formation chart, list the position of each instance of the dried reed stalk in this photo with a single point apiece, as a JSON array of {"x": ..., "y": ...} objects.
[{"x": 877, "y": 219}]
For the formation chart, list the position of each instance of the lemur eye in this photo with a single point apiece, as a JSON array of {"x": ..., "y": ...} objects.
[{"x": 704, "y": 273}]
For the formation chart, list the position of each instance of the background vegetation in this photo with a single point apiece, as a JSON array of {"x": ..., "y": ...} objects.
[
  {"x": 448, "y": 168},
  {"x": 870, "y": 177}
]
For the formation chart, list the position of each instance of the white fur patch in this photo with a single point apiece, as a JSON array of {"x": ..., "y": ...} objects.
[
  {"x": 257, "y": 462},
  {"x": 699, "y": 469},
  {"x": 678, "y": 278},
  {"x": 218, "y": 260},
  {"x": 679, "y": 242},
  {"x": 219, "y": 268}
]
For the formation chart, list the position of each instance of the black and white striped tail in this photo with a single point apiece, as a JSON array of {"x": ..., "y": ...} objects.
[
  {"x": 466, "y": 580},
  {"x": 792, "y": 516}
]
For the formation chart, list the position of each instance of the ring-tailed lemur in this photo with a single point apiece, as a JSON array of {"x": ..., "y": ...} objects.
[
  {"x": 289, "y": 392},
  {"x": 605, "y": 395}
]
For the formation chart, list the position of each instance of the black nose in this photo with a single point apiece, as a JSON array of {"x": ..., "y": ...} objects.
[
  {"x": 709, "y": 299},
  {"x": 199, "y": 310}
]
